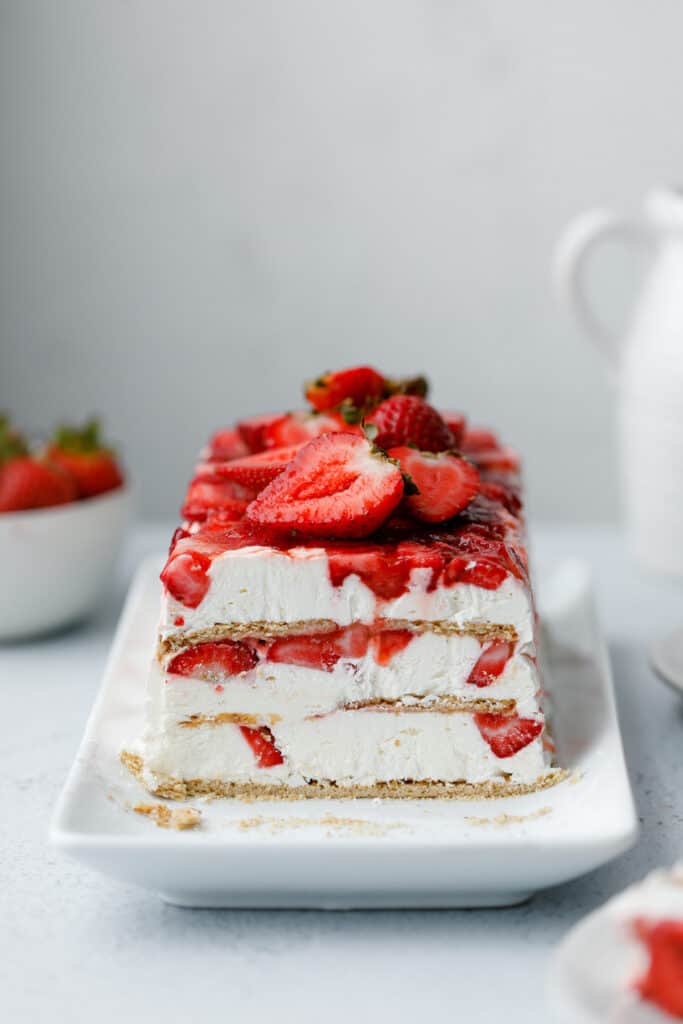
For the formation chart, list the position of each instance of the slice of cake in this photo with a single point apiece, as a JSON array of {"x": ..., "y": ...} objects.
[
  {"x": 347, "y": 610},
  {"x": 625, "y": 961}
]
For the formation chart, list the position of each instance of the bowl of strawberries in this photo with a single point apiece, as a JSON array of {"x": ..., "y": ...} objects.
[{"x": 63, "y": 511}]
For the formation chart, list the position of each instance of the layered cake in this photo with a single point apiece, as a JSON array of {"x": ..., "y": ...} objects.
[
  {"x": 625, "y": 962},
  {"x": 347, "y": 610}
]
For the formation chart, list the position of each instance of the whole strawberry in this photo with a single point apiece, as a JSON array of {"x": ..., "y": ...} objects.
[
  {"x": 360, "y": 386},
  {"x": 27, "y": 482},
  {"x": 408, "y": 419},
  {"x": 82, "y": 455}
]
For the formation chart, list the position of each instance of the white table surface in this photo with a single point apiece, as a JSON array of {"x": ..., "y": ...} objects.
[{"x": 75, "y": 946}]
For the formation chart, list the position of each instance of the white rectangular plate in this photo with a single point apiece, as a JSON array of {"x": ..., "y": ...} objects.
[{"x": 361, "y": 853}]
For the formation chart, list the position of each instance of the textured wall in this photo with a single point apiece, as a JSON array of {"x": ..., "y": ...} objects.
[{"x": 202, "y": 203}]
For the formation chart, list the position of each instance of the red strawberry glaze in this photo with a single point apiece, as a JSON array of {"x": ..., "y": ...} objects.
[
  {"x": 481, "y": 546},
  {"x": 662, "y": 982},
  {"x": 261, "y": 742},
  {"x": 491, "y": 662}
]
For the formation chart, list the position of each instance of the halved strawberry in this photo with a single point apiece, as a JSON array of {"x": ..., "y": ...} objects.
[
  {"x": 262, "y": 743},
  {"x": 81, "y": 454},
  {"x": 455, "y": 421},
  {"x": 339, "y": 485},
  {"x": 281, "y": 430},
  {"x": 446, "y": 483},
  {"x": 255, "y": 471},
  {"x": 491, "y": 662},
  {"x": 360, "y": 385},
  {"x": 26, "y": 482},
  {"x": 224, "y": 445},
  {"x": 207, "y": 497},
  {"x": 506, "y": 735},
  {"x": 321, "y": 651},
  {"x": 407, "y": 419},
  {"x": 185, "y": 576},
  {"x": 213, "y": 661}
]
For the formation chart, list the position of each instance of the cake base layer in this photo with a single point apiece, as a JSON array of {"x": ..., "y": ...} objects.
[{"x": 170, "y": 788}]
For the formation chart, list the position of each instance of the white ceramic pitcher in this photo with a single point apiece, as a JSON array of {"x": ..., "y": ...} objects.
[{"x": 648, "y": 364}]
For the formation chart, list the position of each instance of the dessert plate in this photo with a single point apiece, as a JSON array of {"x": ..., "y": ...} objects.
[{"x": 360, "y": 853}]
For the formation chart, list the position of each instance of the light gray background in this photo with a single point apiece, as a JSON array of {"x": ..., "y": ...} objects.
[{"x": 202, "y": 203}]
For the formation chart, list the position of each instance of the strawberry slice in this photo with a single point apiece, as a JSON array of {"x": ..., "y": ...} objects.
[
  {"x": 255, "y": 471},
  {"x": 281, "y": 430},
  {"x": 476, "y": 439},
  {"x": 390, "y": 642},
  {"x": 186, "y": 577},
  {"x": 214, "y": 661},
  {"x": 491, "y": 662},
  {"x": 446, "y": 483},
  {"x": 360, "y": 385},
  {"x": 262, "y": 743},
  {"x": 321, "y": 651},
  {"x": 224, "y": 445},
  {"x": 407, "y": 419},
  {"x": 208, "y": 496},
  {"x": 662, "y": 982},
  {"x": 455, "y": 421},
  {"x": 506, "y": 735},
  {"x": 339, "y": 485}
]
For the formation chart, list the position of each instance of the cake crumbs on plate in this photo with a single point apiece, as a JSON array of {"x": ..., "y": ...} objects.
[
  {"x": 179, "y": 818},
  {"x": 509, "y": 819},
  {"x": 360, "y": 826}
]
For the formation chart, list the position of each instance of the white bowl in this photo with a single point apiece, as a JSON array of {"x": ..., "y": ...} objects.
[{"x": 57, "y": 562}]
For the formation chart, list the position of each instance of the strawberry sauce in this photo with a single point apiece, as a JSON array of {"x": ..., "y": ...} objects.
[{"x": 482, "y": 546}]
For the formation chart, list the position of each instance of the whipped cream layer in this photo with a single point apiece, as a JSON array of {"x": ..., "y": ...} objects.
[
  {"x": 430, "y": 666},
  {"x": 261, "y": 584},
  {"x": 347, "y": 747}
]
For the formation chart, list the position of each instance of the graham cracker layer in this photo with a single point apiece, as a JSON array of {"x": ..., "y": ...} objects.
[
  {"x": 272, "y": 630},
  {"x": 170, "y": 788},
  {"x": 447, "y": 705},
  {"x": 228, "y": 718}
]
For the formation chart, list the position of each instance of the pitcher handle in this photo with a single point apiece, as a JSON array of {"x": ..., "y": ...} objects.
[{"x": 572, "y": 255}]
